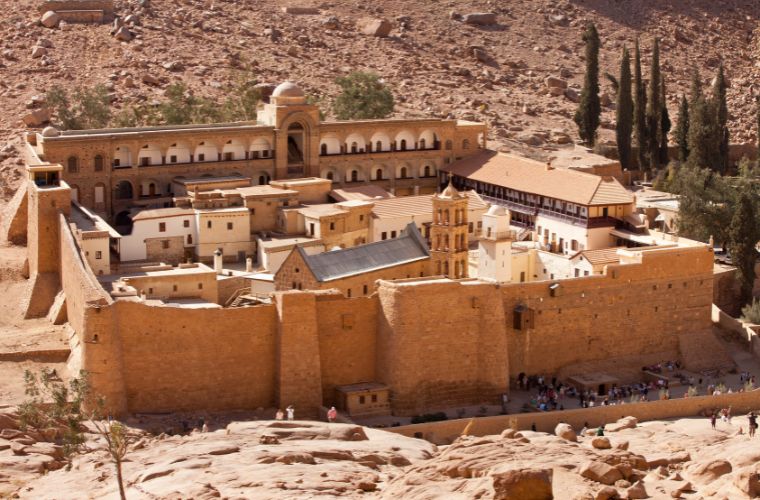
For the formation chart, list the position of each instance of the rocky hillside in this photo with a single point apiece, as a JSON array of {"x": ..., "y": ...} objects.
[
  {"x": 267, "y": 459},
  {"x": 437, "y": 63}
]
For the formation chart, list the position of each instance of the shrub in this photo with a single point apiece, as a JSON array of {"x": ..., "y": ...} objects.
[{"x": 363, "y": 96}]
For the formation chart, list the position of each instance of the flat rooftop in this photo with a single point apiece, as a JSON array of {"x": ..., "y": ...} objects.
[{"x": 274, "y": 242}]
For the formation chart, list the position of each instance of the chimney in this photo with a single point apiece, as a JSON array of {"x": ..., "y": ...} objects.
[{"x": 218, "y": 259}]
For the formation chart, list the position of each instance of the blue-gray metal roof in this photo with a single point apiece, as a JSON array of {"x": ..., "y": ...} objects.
[{"x": 327, "y": 266}]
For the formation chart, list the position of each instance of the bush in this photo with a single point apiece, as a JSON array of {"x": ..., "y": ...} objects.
[
  {"x": 364, "y": 96},
  {"x": 86, "y": 108},
  {"x": 751, "y": 312}
]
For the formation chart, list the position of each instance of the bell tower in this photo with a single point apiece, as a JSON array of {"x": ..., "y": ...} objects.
[{"x": 448, "y": 233}]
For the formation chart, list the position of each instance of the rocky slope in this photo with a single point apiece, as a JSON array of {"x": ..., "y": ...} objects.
[
  {"x": 436, "y": 64},
  {"x": 303, "y": 459}
]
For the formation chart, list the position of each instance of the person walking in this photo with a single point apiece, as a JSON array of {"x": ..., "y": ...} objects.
[
  {"x": 291, "y": 412},
  {"x": 752, "y": 423},
  {"x": 332, "y": 414},
  {"x": 713, "y": 419},
  {"x": 280, "y": 415}
]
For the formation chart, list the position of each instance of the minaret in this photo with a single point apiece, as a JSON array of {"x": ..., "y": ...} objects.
[
  {"x": 448, "y": 233},
  {"x": 495, "y": 246}
]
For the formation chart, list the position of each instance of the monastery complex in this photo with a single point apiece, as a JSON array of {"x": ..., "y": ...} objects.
[{"x": 381, "y": 266}]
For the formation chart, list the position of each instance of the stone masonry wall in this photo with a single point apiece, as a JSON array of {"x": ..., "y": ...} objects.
[{"x": 174, "y": 253}]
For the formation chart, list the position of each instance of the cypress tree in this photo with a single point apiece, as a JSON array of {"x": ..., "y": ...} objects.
[
  {"x": 696, "y": 88},
  {"x": 624, "y": 125},
  {"x": 654, "y": 110},
  {"x": 639, "y": 105},
  {"x": 589, "y": 108},
  {"x": 721, "y": 117},
  {"x": 665, "y": 125},
  {"x": 682, "y": 130},
  {"x": 703, "y": 148},
  {"x": 742, "y": 237}
]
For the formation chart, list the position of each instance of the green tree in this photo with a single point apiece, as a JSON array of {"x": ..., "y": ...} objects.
[
  {"x": 117, "y": 443},
  {"x": 665, "y": 125},
  {"x": 696, "y": 88},
  {"x": 742, "y": 240},
  {"x": 363, "y": 96},
  {"x": 624, "y": 118},
  {"x": 654, "y": 110},
  {"x": 589, "y": 107},
  {"x": 682, "y": 129},
  {"x": 721, "y": 117},
  {"x": 639, "y": 107},
  {"x": 179, "y": 106},
  {"x": 86, "y": 108},
  {"x": 702, "y": 137},
  {"x": 703, "y": 203}
]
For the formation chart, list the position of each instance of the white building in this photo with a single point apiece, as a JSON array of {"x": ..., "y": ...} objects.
[
  {"x": 164, "y": 227},
  {"x": 495, "y": 246}
]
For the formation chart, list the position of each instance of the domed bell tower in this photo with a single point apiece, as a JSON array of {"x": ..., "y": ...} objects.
[{"x": 448, "y": 234}]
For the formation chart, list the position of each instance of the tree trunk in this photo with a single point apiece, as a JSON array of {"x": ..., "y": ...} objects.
[{"x": 122, "y": 495}]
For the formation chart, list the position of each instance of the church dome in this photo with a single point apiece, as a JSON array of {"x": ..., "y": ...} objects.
[
  {"x": 288, "y": 89},
  {"x": 50, "y": 132}
]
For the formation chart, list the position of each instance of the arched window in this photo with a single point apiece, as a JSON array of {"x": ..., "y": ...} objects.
[
  {"x": 449, "y": 145},
  {"x": 329, "y": 176},
  {"x": 379, "y": 146},
  {"x": 426, "y": 172},
  {"x": 354, "y": 176},
  {"x": 379, "y": 174},
  {"x": 403, "y": 173},
  {"x": 152, "y": 189},
  {"x": 72, "y": 165},
  {"x": 323, "y": 149},
  {"x": 422, "y": 143},
  {"x": 98, "y": 163},
  {"x": 263, "y": 180},
  {"x": 354, "y": 147},
  {"x": 466, "y": 144},
  {"x": 403, "y": 145}
]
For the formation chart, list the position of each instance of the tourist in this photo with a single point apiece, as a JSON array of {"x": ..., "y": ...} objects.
[
  {"x": 713, "y": 419},
  {"x": 291, "y": 412},
  {"x": 600, "y": 430},
  {"x": 533, "y": 427},
  {"x": 585, "y": 428},
  {"x": 752, "y": 423},
  {"x": 332, "y": 414},
  {"x": 279, "y": 415},
  {"x": 205, "y": 427}
]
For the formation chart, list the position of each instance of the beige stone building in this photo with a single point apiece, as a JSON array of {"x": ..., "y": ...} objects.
[{"x": 115, "y": 170}]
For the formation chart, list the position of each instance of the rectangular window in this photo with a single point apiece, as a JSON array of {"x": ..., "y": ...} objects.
[
  {"x": 365, "y": 287},
  {"x": 384, "y": 235},
  {"x": 165, "y": 244},
  {"x": 116, "y": 162},
  {"x": 393, "y": 234},
  {"x": 200, "y": 286},
  {"x": 201, "y": 157},
  {"x": 577, "y": 272},
  {"x": 99, "y": 194},
  {"x": 144, "y": 161},
  {"x": 348, "y": 293},
  {"x": 362, "y": 400},
  {"x": 374, "y": 398},
  {"x": 186, "y": 223},
  {"x": 332, "y": 226},
  {"x": 98, "y": 254},
  {"x": 229, "y": 226},
  {"x": 162, "y": 227},
  {"x": 173, "y": 159},
  {"x": 470, "y": 227},
  {"x": 208, "y": 224},
  {"x": 174, "y": 288},
  {"x": 228, "y": 156},
  {"x": 361, "y": 218}
]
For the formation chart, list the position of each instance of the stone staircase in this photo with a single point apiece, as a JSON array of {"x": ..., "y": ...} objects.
[{"x": 703, "y": 351}]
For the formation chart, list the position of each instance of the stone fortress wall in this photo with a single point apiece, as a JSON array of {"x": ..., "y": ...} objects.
[{"x": 434, "y": 342}]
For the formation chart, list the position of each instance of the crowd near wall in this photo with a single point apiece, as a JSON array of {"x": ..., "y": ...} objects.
[{"x": 446, "y": 431}]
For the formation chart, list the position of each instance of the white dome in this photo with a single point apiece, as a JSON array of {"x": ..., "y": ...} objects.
[
  {"x": 288, "y": 89},
  {"x": 50, "y": 132},
  {"x": 497, "y": 210}
]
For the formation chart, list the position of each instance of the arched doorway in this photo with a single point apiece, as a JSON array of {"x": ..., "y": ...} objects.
[
  {"x": 295, "y": 144},
  {"x": 124, "y": 191}
]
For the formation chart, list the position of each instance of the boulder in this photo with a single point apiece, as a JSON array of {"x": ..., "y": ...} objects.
[
  {"x": 523, "y": 484},
  {"x": 123, "y": 34},
  {"x": 480, "y": 18},
  {"x": 680, "y": 488},
  {"x": 8, "y": 419},
  {"x": 747, "y": 481},
  {"x": 711, "y": 470},
  {"x": 554, "y": 82},
  {"x": 377, "y": 27},
  {"x": 38, "y": 52},
  {"x": 606, "y": 493},
  {"x": 601, "y": 443},
  {"x": 149, "y": 79},
  {"x": 623, "y": 423},
  {"x": 331, "y": 23},
  {"x": 600, "y": 472},
  {"x": 637, "y": 491},
  {"x": 664, "y": 460},
  {"x": 50, "y": 19},
  {"x": 574, "y": 96},
  {"x": 37, "y": 118},
  {"x": 566, "y": 432},
  {"x": 48, "y": 449}
]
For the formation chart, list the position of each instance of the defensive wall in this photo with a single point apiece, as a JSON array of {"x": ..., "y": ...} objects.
[
  {"x": 435, "y": 342},
  {"x": 446, "y": 431}
]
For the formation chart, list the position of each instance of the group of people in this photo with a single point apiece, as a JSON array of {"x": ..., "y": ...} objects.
[
  {"x": 725, "y": 415},
  {"x": 663, "y": 366},
  {"x": 332, "y": 414}
]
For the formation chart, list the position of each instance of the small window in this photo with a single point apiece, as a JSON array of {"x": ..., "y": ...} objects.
[
  {"x": 186, "y": 223},
  {"x": 228, "y": 156},
  {"x": 162, "y": 227},
  {"x": 332, "y": 226},
  {"x": 348, "y": 293},
  {"x": 189, "y": 239},
  {"x": 173, "y": 159},
  {"x": 208, "y": 224},
  {"x": 98, "y": 254},
  {"x": 362, "y": 400},
  {"x": 73, "y": 165},
  {"x": 150, "y": 291},
  {"x": 200, "y": 286},
  {"x": 384, "y": 235},
  {"x": 165, "y": 244},
  {"x": 145, "y": 161},
  {"x": 365, "y": 289},
  {"x": 174, "y": 288},
  {"x": 298, "y": 269},
  {"x": 229, "y": 226},
  {"x": 361, "y": 218},
  {"x": 201, "y": 157},
  {"x": 98, "y": 163},
  {"x": 374, "y": 398}
]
